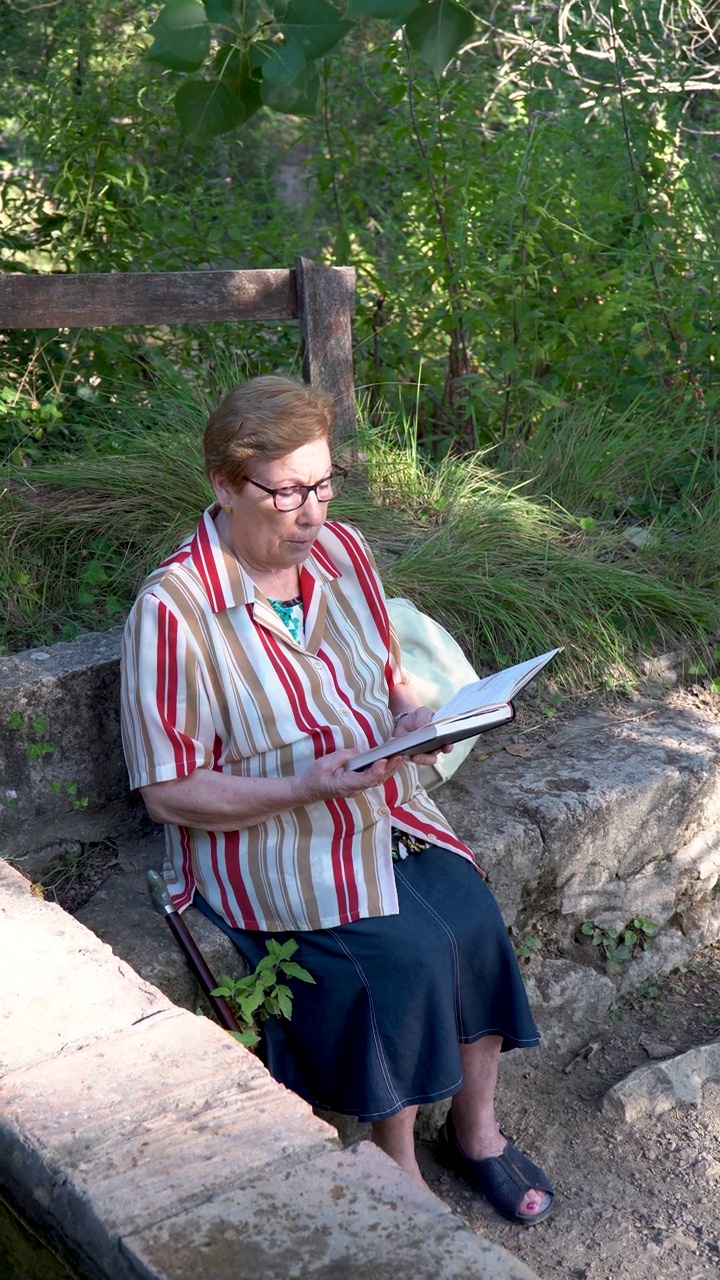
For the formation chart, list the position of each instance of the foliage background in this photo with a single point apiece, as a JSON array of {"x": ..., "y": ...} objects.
[{"x": 535, "y": 235}]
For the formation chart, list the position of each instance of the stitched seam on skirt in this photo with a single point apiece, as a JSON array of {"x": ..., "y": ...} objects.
[
  {"x": 453, "y": 943},
  {"x": 376, "y": 1034},
  {"x": 505, "y": 1035}
]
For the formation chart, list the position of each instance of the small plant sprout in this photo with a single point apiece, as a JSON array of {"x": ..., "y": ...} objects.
[
  {"x": 525, "y": 948},
  {"x": 36, "y": 745},
  {"x": 260, "y": 994},
  {"x": 619, "y": 945}
]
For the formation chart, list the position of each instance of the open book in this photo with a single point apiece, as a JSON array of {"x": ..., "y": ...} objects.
[{"x": 480, "y": 705}]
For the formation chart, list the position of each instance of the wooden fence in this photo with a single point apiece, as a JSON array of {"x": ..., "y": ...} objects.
[{"x": 320, "y": 298}]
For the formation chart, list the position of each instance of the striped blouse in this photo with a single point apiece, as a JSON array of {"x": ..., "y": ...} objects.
[{"x": 213, "y": 679}]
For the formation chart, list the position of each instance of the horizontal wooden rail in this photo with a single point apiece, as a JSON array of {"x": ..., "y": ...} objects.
[
  {"x": 163, "y": 297},
  {"x": 319, "y": 297}
]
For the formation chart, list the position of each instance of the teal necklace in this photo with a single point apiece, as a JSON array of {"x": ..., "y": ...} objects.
[{"x": 291, "y": 613}]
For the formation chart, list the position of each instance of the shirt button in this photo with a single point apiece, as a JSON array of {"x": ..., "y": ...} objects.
[
  {"x": 383, "y": 811},
  {"x": 344, "y": 711},
  {"x": 318, "y": 666}
]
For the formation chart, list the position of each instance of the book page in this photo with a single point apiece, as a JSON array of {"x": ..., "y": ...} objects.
[{"x": 496, "y": 689}]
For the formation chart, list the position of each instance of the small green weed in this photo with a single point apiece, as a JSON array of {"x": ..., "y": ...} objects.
[
  {"x": 260, "y": 995},
  {"x": 37, "y": 746},
  {"x": 619, "y": 945},
  {"x": 74, "y": 873},
  {"x": 525, "y": 948},
  {"x": 649, "y": 999}
]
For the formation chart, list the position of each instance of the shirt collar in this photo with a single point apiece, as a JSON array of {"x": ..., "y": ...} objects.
[{"x": 225, "y": 581}]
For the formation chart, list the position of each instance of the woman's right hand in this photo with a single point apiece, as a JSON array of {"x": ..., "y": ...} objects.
[{"x": 329, "y": 779}]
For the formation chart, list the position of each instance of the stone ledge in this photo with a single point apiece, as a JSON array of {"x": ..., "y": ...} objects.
[{"x": 148, "y": 1145}]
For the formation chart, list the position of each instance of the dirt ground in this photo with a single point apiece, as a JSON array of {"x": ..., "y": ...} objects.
[{"x": 634, "y": 1202}]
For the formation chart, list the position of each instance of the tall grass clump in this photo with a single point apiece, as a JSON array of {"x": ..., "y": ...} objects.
[{"x": 509, "y": 572}]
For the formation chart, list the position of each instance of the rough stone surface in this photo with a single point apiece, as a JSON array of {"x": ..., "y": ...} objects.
[
  {"x": 349, "y": 1210},
  {"x": 66, "y": 697},
  {"x": 146, "y": 1144},
  {"x": 652, "y": 1090},
  {"x": 567, "y": 1000},
  {"x": 122, "y": 914}
]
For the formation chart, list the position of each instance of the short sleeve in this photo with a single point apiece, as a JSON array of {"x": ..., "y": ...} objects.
[{"x": 166, "y": 718}]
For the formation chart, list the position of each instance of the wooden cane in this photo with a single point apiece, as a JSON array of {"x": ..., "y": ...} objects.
[{"x": 162, "y": 903}]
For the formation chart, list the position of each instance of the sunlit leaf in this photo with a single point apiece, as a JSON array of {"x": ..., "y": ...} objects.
[
  {"x": 181, "y": 36},
  {"x": 206, "y": 108},
  {"x": 314, "y": 25},
  {"x": 437, "y": 31}
]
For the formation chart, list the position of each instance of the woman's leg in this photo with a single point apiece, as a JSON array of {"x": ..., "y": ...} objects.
[
  {"x": 473, "y": 1110},
  {"x": 395, "y": 1137}
]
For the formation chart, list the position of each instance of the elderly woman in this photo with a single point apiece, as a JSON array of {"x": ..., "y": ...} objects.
[{"x": 258, "y": 660}]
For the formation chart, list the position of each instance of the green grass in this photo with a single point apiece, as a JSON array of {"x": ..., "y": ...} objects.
[{"x": 512, "y": 561}]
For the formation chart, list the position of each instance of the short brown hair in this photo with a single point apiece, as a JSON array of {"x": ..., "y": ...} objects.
[{"x": 262, "y": 420}]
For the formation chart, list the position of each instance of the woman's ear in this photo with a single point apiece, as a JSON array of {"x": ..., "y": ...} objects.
[{"x": 223, "y": 491}]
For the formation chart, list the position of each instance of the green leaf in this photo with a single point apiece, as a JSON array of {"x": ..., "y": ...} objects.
[
  {"x": 284, "y": 1000},
  {"x": 396, "y": 11},
  {"x": 296, "y": 99},
  {"x": 248, "y": 1038},
  {"x": 314, "y": 25},
  {"x": 288, "y": 948},
  {"x": 219, "y": 11},
  {"x": 285, "y": 63},
  {"x": 436, "y": 32},
  {"x": 250, "y": 1003},
  {"x": 293, "y": 970},
  {"x": 206, "y": 108},
  {"x": 181, "y": 36}
]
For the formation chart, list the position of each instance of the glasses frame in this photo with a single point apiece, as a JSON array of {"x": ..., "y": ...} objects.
[{"x": 337, "y": 471}]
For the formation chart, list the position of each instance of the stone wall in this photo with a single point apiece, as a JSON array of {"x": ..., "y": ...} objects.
[{"x": 608, "y": 817}]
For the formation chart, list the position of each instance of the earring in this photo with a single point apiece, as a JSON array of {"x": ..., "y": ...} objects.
[{"x": 228, "y": 508}]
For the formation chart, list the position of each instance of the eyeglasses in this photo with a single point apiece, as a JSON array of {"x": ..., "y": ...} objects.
[{"x": 290, "y": 497}]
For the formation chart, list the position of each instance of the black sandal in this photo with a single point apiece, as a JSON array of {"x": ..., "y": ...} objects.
[{"x": 503, "y": 1179}]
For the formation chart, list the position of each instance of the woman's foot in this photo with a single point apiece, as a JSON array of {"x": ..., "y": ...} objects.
[{"x": 508, "y": 1179}]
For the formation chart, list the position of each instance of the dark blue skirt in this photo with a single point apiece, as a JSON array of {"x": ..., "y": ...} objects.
[{"x": 394, "y": 994}]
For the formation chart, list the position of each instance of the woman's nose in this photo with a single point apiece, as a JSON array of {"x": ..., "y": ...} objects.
[{"x": 312, "y": 510}]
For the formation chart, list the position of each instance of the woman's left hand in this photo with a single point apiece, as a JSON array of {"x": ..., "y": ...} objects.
[{"x": 408, "y": 722}]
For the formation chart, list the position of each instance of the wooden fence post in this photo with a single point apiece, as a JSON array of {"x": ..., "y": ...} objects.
[{"x": 326, "y": 304}]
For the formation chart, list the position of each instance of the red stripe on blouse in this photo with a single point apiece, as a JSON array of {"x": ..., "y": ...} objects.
[
  {"x": 248, "y": 919},
  {"x": 321, "y": 736},
  {"x": 204, "y": 557},
  {"x": 366, "y": 579},
  {"x": 362, "y": 720},
  {"x": 167, "y": 689}
]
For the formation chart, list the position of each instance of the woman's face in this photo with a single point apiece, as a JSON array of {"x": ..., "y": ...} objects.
[{"x": 266, "y": 539}]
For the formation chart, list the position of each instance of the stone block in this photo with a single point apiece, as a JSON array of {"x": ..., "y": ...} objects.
[
  {"x": 51, "y": 970},
  {"x": 567, "y": 1000},
  {"x": 652, "y": 1090},
  {"x": 66, "y": 700},
  {"x": 121, "y": 913},
  {"x": 348, "y": 1216}
]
